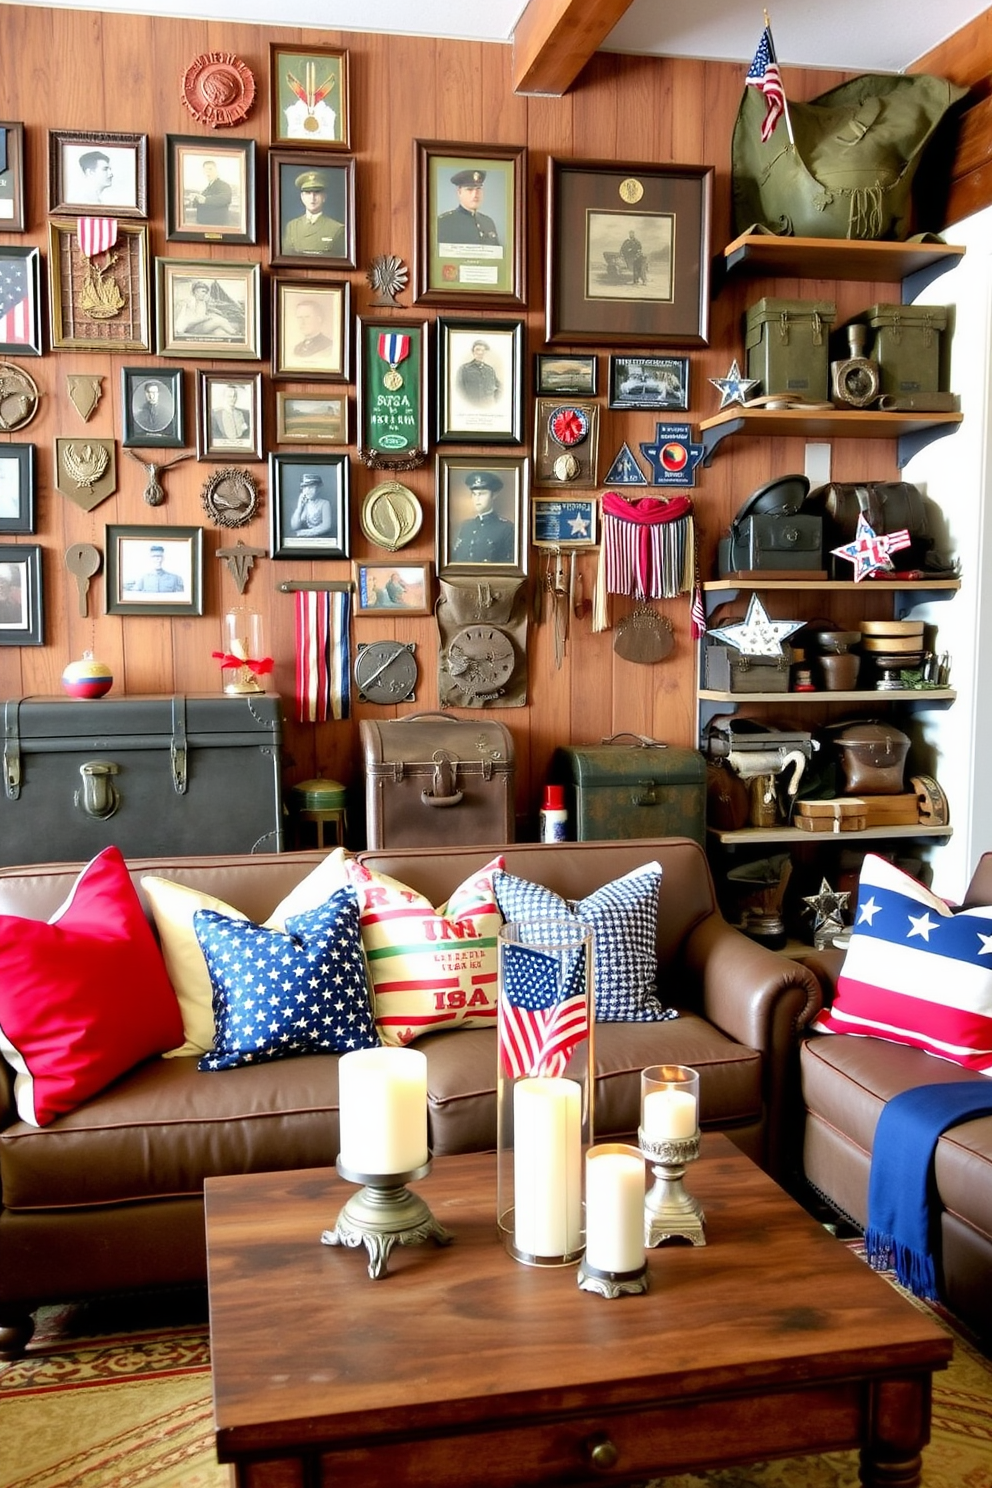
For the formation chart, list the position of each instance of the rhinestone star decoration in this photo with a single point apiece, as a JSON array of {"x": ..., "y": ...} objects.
[
  {"x": 756, "y": 635},
  {"x": 827, "y": 908},
  {"x": 869, "y": 552},
  {"x": 733, "y": 388}
]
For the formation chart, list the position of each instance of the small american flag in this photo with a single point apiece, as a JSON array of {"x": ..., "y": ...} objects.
[
  {"x": 764, "y": 75},
  {"x": 542, "y": 1019},
  {"x": 15, "y": 302}
]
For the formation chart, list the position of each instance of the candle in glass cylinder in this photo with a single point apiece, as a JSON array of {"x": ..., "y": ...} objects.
[
  {"x": 614, "y": 1208},
  {"x": 383, "y": 1110},
  {"x": 547, "y": 1166},
  {"x": 668, "y": 1114}
]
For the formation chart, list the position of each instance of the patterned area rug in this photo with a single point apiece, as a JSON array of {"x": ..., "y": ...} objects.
[{"x": 111, "y": 1398}]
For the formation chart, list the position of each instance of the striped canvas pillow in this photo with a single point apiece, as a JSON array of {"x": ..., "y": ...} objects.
[
  {"x": 915, "y": 972},
  {"x": 431, "y": 969}
]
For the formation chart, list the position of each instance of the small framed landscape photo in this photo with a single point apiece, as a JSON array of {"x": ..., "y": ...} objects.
[
  {"x": 563, "y": 522},
  {"x": 481, "y": 514},
  {"x": 469, "y": 223},
  {"x": 309, "y": 97},
  {"x": 311, "y": 418},
  {"x": 480, "y": 381},
  {"x": 308, "y": 502},
  {"x": 228, "y": 416},
  {"x": 98, "y": 173},
  {"x": 20, "y": 301},
  {"x": 17, "y": 488},
  {"x": 312, "y": 209},
  {"x": 400, "y": 587},
  {"x": 209, "y": 309},
  {"x": 21, "y": 610},
  {"x": 649, "y": 382},
  {"x": 575, "y": 375},
  {"x": 11, "y": 177},
  {"x": 311, "y": 325},
  {"x": 154, "y": 570},
  {"x": 209, "y": 190},
  {"x": 152, "y": 406}
]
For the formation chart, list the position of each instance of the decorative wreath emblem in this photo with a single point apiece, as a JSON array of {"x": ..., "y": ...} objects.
[{"x": 568, "y": 426}]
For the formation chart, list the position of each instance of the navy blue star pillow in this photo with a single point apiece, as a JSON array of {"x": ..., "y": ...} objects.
[
  {"x": 624, "y": 918},
  {"x": 276, "y": 993}
]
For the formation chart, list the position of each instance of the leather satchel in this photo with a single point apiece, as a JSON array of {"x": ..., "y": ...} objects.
[
  {"x": 889, "y": 506},
  {"x": 482, "y": 624},
  {"x": 873, "y": 758}
]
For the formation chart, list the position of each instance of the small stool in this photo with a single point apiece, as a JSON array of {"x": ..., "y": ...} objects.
[{"x": 322, "y": 802}]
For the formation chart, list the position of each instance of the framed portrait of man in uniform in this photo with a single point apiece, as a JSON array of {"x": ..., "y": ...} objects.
[
  {"x": 311, "y": 322},
  {"x": 469, "y": 223},
  {"x": 479, "y": 381},
  {"x": 312, "y": 209},
  {"x": 154, "y": 570},
  {"x": 481, "y": 514},
  {"x": 308, "y": 506}
]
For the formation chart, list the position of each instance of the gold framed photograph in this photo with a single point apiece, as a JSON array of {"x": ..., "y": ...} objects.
[
  {"x": 311, "y": 321},
  {"x": 470, "y": 223},
  {"x": 98, "y": 299},
  {"x": 208, "y": 309},
  {"x": 309, "y": 98},
  {"x": 397, "y": 588},
  {"x": 311, "y": 418},
  {"x": 482, "y": 513}
]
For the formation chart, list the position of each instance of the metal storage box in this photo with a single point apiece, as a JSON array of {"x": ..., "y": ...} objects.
[
  {"x": 727, "y": 670},
  {"x": 629, "y": 787},
  {"x": 434, "y": 779},
  {"x": 907, "y": 347},
  {"x": 149, "y": 775},
  {"x": 787, "y": 344}
]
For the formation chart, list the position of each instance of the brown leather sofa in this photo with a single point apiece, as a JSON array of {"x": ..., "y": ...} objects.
[
  {"x": 110, "y": 1196},
  {"x": 845, "y": 1083}
]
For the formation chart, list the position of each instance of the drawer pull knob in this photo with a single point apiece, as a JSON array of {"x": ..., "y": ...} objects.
[{"x": 603, "y": 1454}]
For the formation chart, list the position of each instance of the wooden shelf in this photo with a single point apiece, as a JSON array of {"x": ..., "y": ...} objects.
[
  {"x": 862, "y": 695},
  {"x": 829, "y": 586},
  {"x": 913, "y": 430},
  {"x": 758, "y": 835},
  {"x": 837, "y": 258}
]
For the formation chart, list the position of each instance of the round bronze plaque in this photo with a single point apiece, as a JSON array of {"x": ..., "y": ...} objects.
[
  {"x": 391, "y": 516},
  {"x": 230, "y": 497},
  {"x": 18, "y": 397},
  {"x": 218, "y": 89}
]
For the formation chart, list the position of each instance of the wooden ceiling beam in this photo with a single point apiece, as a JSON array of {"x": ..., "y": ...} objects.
[{"x": 554, "y": 39}]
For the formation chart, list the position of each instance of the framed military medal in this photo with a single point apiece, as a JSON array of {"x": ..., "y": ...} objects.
[
  {"x": 479, "y": 381},
  {"x": 566, "y": 442},
  {"x": 469, "y": 223},
  {"x": 392, "y": 409},
  {"x": 309, "y": 98}
]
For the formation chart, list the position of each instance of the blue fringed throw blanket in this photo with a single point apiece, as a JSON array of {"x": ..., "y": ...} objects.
[{"x": 899, "y": 1230}]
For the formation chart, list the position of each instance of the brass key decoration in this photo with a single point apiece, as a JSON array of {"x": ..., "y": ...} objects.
[{"x": 83, "y": 560}]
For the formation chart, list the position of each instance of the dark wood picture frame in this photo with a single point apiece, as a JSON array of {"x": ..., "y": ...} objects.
[
  {"x": 311, "y": 417},
  {"x": 229, "y": 428},
  {"x": 209, "y": 308},
  {"x": 20, "y": 287},
  {"x": 308, "y": 84},
  {"x": 392, "y": 387},
  {"x": 647, "y": 382},
  {"x": 316, "y": 345},
  {"x": 204, "y": 205},
  {"x": 562, "y": 376},
  {"x": 123, "y": 274},
  {"x": 12, "y": 178},
  {"x": 136, "y": 582},
  {"x": 330, "y": 241},
  {"x": 22, "y": 610},
  {"x": 628, "y": 253},
  {"x": 484, "y": 260},
  {"x": 456, "y": 509},
  {"x": 97, "y": 174},
  {"x": 17, "y": 488},
  {"x": 288, "y": 485},
  {"x": 378, "y": 593},
  {"x": 152, "y": 411},
  {"x": 480, "y": 381}
]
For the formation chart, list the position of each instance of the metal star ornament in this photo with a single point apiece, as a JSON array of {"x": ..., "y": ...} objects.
[
  {"x": 869, "y": 552},
  {"x": 733, "y": 388},
  {"x": 827, "y": 908},
  {"x": 756, "y": 634}
]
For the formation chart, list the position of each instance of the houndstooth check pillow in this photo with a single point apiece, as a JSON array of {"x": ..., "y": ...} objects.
[{"x": 624, "y": 917}]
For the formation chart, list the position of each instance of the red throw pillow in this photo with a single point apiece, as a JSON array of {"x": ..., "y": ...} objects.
[{"x": 84, "y": 997}]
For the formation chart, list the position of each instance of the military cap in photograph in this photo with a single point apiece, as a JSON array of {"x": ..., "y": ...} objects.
[
  {"x": 468, "y": 178},
  {"x": 311, "y": 480},
  {"x": 484, "y": 480},
  {"x": 311, "y": 180}
]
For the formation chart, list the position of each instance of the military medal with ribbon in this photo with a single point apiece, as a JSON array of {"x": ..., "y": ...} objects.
[
  {"x": 393, "y": 348},
  {"x": 101, "y": 298},
  {"x": 310, "y": 94}
]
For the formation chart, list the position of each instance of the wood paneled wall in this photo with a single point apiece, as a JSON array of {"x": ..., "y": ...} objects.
[
  {"x": 966, "y": 59},
  {"x": 85, "y": 70}
]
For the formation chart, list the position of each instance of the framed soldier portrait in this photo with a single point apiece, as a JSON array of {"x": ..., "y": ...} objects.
[
  {"x": 482, "y": 514},
  {"x": 308, "y": 506},
  {"x": 152, "y": 407},
  {"x": 311, "y": 324},
  {"x": 154, "y": 570},
  {"x": 469, "y": 223},
  {"x": 479, "y": 381},
  {"x": 210, "y": 190},
  {"x": 312, "y": 209}
]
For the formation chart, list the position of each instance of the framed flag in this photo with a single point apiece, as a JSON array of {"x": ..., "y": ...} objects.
[
  {"x": 392, "y": 410},
  {"x": 20, "y": 301}
]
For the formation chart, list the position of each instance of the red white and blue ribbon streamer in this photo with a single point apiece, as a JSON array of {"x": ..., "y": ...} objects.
[
  {"x": 323, "y": 670},
  {"x": 394, "y": 348},
  {"x": 96, "y": 235}
]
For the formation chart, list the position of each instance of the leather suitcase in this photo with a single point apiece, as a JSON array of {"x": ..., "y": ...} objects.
[
  {"x": 150, "y": 775},
  {"x": 431, "y": 778},
  {"x": 629, "y": 787}
]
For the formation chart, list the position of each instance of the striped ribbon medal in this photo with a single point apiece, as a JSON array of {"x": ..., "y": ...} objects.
[
  {"x": 96, "y": 235},
  {"x": 393, "y": 348}
]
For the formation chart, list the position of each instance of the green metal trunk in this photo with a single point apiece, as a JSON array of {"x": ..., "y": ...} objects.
[{"x": 629, "y": 788}]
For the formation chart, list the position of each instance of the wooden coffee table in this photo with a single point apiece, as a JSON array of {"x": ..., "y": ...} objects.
[{"x": 463, "y": 1366}]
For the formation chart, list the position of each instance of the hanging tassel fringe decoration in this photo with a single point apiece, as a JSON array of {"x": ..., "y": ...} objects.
[{"x": 648, "y": 548}]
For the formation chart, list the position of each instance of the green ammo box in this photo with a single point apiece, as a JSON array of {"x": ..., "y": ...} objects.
[
  {"x": 907, "y": 347},
  {"x": 629, "y": 787},
  {"x": 787, "y": 343}
]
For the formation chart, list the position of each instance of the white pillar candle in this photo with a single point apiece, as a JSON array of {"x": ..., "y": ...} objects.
[
  {"x": 383, "y": 1110},
  {"x": 547, "y": 1166},
  {"x": 614, "y": 1208},
  {"x": 669, "y": 1113}
]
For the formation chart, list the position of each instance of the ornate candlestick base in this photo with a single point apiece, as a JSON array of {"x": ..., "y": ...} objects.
[
  {"x": 382, "y": 1214},
  {"x": 669, "y": 1212},
  {"x": 613, "y": 1283}
]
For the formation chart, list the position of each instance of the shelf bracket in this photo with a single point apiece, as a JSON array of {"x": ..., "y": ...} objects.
[
  {"x": 908, "y": 445},
  {"x": 712, "y": 437},
  {"x": 914, "y": 284}
]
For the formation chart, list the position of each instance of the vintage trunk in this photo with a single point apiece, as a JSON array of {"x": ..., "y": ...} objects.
[
  {"x": 431, "y": 778},
  {"x": 629, "y": 787},
  {"x": 149, "y": 775}
]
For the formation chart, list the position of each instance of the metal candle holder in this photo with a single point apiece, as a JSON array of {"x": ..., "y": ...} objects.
[
  {"x": 669, "y": 1212},
  {"x": 382, "y": 1214},
  {"x": 613, "y": 1283}
]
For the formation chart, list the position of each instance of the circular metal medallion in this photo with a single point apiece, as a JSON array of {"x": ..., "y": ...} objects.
[
  {"x": 481, "y": 660},
  {"x": 568, "y": 425},
  {"x": 18, "y": 397},
  {"x": 391, "y": 516},
  {"x": 386, "y": 671},
  {"x": 631, "y": 190},
  {"x": 230, "y": 497},
  {"x": 218, "y": 89}
]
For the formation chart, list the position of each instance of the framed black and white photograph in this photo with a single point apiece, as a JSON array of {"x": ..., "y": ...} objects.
[
  {"x": 470, "y": 223},
  {"x": 480, "y": 381},
  {"x": 401, "y": 587},
  {"x": 209, "y": 309},
  {"x": 482, "y": 514},
  {"x": 649, "y": 382},
  {"x": 97, "y": 174},
  {"x": 559, "y": 374},
  {"x": 17, "y": 488},
  {"x": 309, "y": 96},
  {"x": 20, "y": 301},
  {"x": 563, "y": 521},
  {"x": 311, "y": 418},
  {"x": 228, "y": 416},
  {"x": 311, "y": 335},
  {"x": 22, "y": 617},
  {"x": 154, "y": 570},
  {"x": 209, "y": 189},
  {"x": 312, "y": 209},
  {"x": 11, "y": 177},
  {"x": 308, "y": 502},
  {"x": 152, "y": 406}
]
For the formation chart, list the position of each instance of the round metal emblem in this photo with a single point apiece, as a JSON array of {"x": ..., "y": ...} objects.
[
  {"x": 218, "y": 89},
  {"x": 391, "y": 516},
  {"x": 568, "y": 426},
  {"x": 630, "y": 190},
  {"x": 386, "y": 671},
  {"x": 230, "y": 497},
  {"x": 18, "y": 397},
  {"x": 481, "y": 660}
]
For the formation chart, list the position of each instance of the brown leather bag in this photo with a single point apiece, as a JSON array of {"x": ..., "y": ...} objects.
[{"x": 873, "y": 758}]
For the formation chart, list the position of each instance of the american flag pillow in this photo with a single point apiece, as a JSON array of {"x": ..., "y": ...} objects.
[{"x": 915, "y": 972}]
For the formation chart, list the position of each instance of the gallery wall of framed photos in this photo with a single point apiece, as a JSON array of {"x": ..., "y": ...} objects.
[{"x": 256, "y": 330}]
